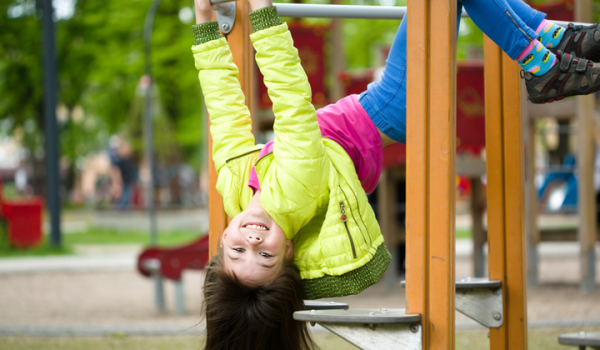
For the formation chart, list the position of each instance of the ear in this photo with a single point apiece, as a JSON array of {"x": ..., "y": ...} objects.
[
  {"x": 289, "y": 249},
  {"x": 223, "y": 238}
]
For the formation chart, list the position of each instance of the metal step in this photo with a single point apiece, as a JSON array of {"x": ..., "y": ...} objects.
[
  {"x": 581, "y": 339},
  {"x": 370, "y": 329}
]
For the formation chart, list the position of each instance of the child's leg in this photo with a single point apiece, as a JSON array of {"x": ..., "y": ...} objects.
[
  {"x": 580, "y": 41},
  {"x": 548, "y": 76},
  {"x": 385, "y": 100},
  {"x": 502, "y": 24}
]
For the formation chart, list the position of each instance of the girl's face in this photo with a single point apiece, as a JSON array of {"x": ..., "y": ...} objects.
[{"x": 254, "y": 246}]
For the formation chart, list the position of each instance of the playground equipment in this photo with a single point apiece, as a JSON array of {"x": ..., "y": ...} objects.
[
  {"x": 428, "y": 321},
  {"x": 169, "y": 263},
  {"x": 24, "y": 220},
  {"x": 582, "y": 340},
  {"x": 589, "y": 131}
]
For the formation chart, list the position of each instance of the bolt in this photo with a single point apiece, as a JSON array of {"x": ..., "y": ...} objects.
[
  {"x": 371, "y": 314},
  {"x": 497, "y": 316},
  {"x": 312, "y": 323},
  {"x": 383, "y": 310},
  {"x": 313, "y": 312},
  {"x": 414, "y": 328},
  {"x": 225, "y": 26}
]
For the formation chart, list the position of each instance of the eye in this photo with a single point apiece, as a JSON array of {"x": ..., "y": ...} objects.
[
  {"x": 266, "y": 255},
  {"x": 239, "y": 250}
]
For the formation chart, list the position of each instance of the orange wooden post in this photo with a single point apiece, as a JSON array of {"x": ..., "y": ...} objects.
[
  {"x": 430, "y": 288},
  {"x": 242, "y": 50},
  {"x": 505, "y": 184}
]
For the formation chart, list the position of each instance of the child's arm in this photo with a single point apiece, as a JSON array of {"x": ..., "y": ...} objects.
[
  {"x": 298, "y": 147},
  {"x": 231, "y": 125}
]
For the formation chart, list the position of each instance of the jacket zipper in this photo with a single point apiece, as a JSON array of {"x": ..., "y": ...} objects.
[
  {"x": 361, "y": 219},
  {"x": 519, "y": 28},
  {"x": 354, "y": 216},
  {"x": 344, "y": 219}
]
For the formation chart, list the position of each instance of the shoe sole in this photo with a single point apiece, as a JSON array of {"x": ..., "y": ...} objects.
[{"x": 548, "y": 99}]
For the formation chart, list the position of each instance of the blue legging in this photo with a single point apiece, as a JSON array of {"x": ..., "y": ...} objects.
[{"x": 510, "y": 24}]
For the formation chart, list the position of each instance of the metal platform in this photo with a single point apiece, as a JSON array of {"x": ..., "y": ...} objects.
[
  {"x": 324, "y": 305},
  {"x": 361, "y": 316},
  {"x": 581, "y": 339}
]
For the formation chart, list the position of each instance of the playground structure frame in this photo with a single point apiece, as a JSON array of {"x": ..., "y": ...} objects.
[{"x": 430, "y": 285}]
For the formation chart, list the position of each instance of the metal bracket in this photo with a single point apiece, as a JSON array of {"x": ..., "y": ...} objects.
[
  {"x": 378, "y": 336},
  {"x": 480, "y": 300},
  {"x": 225, "y": 16},
  {"x": 370, "y": 329}
]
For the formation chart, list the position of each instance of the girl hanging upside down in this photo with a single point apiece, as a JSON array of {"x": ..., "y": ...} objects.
[{"x": 301, "y": 223}]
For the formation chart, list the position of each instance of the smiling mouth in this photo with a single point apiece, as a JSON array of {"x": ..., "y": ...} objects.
[{"x": 256, "y": 226}]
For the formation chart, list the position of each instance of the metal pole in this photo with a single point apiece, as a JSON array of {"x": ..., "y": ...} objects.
[
  {"x": 149, "y": 143},
  {"x": 51, "y": 127}
]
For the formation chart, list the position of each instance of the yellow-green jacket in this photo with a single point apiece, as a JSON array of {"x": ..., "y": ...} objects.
[{"x": 308, "y": 184}]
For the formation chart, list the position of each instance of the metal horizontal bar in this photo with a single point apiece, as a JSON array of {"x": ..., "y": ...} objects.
[
  {"x": 350, "y": 11},
  {"x": 341, "y": 11}
]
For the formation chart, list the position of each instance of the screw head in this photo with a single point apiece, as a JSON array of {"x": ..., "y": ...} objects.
[
  {"x": 371, "y": 314},
  {"x": 225, "y": 26},
  {"x": 497, "y": 316},
  {"x": 313, "y": 312},
  {"x": 414, "y": 328},
  {"x": 384, "y": 310}
]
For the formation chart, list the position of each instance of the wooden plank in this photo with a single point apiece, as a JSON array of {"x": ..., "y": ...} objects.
[
  {"x": 514, "y": 180},
  {"x": 506, "y": 209},
  {"x": 495, "y": 176},
  {"x": 242, "y": 51},
  {"x": 585, "y": 162},
  {"x": 417, "y": 170},
  {"x": 431, "y": 168},
  {"x": 442, "y": 175}
]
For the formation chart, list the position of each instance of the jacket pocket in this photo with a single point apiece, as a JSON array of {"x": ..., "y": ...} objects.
[{"x": 344, "y": 219}]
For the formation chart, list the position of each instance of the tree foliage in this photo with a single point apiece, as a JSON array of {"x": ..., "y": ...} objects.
[{"x": 101, "y": 60}]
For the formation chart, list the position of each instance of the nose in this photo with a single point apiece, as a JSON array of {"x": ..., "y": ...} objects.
[{"x": 254, "y": 239}]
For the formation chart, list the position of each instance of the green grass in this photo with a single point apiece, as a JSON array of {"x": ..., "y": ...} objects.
[
  {"x": 95, "y": 237},
  {"x": 538, "y": 339},
  {"x": 463, "y": 234}
]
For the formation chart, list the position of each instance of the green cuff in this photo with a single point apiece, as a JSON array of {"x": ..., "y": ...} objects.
[
  {"x": 264, "y": 18},
  {"x": 206, "y": 32},
  {"x": 352, "y": 282}
]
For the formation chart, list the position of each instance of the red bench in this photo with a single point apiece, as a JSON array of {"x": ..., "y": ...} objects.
[{"x": 24, "y": 218}]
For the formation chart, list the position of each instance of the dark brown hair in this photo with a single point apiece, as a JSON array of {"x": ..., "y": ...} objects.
[{"x": 239, "y": 317}]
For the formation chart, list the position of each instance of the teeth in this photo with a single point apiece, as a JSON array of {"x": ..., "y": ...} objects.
[{"x": 256, "y": 227}]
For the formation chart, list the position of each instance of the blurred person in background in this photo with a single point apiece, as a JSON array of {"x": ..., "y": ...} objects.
[{"x": 123, "y": 176}]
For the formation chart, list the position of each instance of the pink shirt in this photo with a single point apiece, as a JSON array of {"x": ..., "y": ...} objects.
[{"x": 347, "y": 123}]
